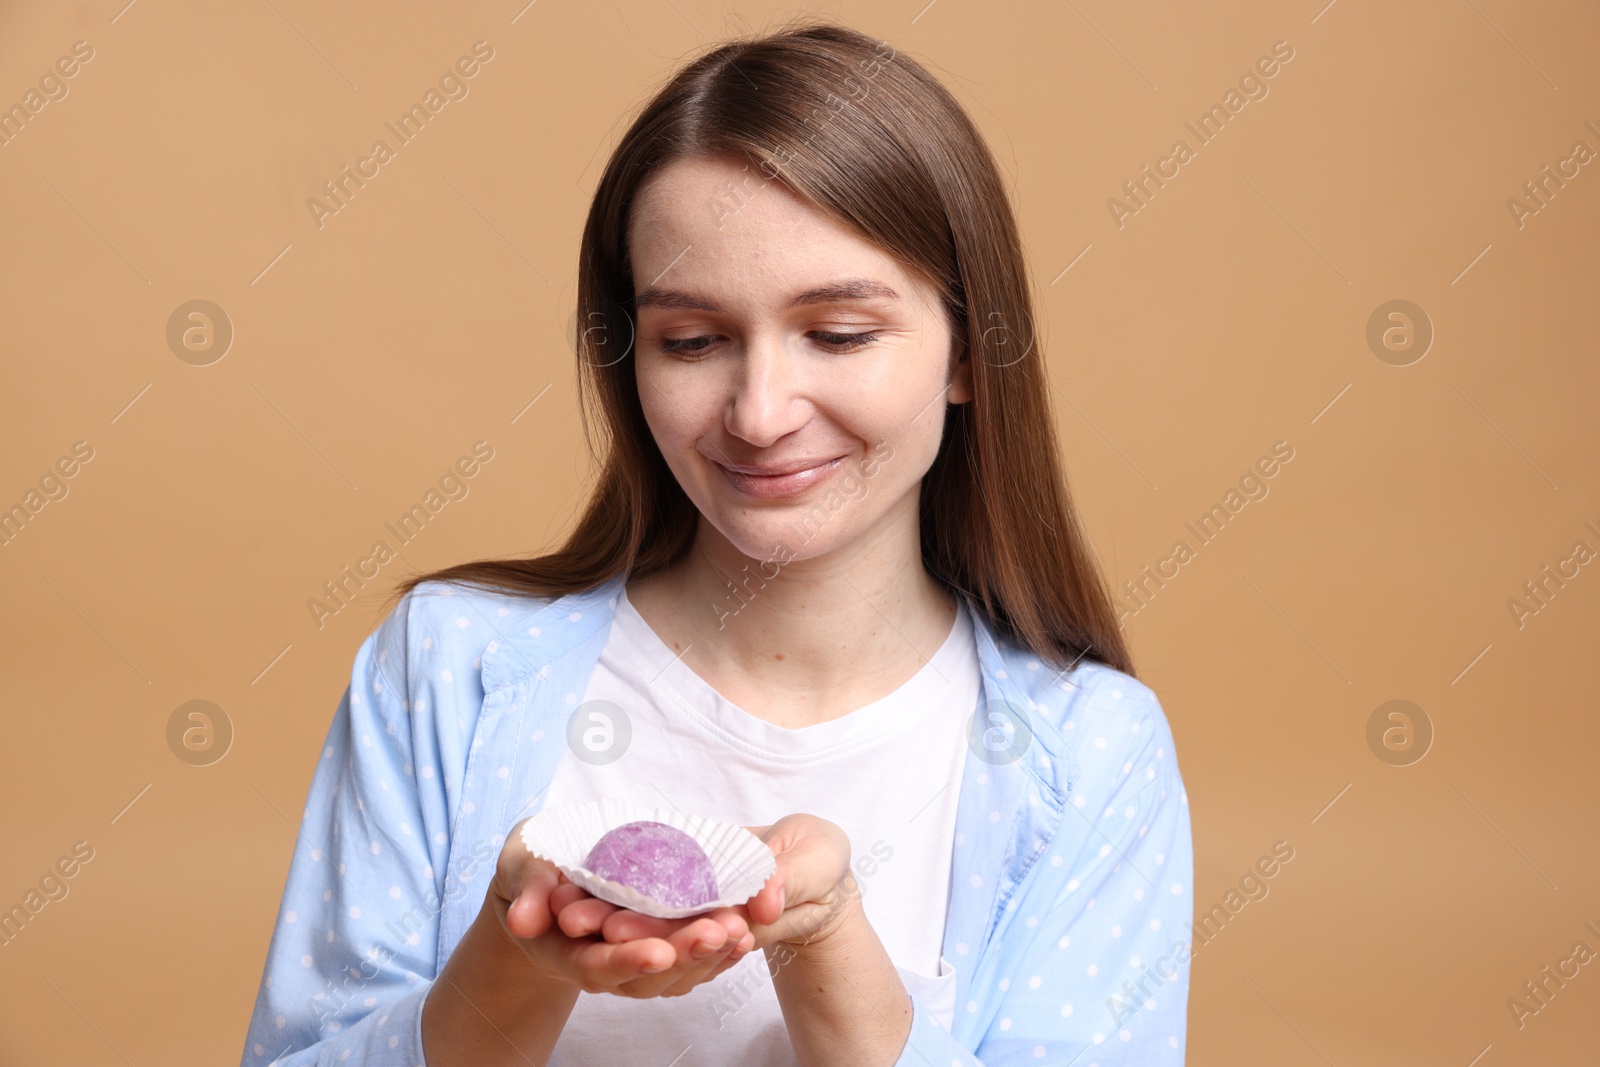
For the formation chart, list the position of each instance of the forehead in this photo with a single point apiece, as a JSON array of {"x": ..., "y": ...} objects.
[{"x": 714, "y": 224}]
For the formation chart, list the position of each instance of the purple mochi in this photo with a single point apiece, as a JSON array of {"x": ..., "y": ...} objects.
[{"x": 660, "y": 861}]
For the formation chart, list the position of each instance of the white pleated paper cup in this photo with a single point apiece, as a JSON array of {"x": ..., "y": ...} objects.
[{"x": 564, "y": 834}]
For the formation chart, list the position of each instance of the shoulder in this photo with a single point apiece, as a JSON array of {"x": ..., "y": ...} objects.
[
  {"x": 1100, "y": 726},
  {"x": 436, "y": 636},
  {"x": 493, "y": 637},
  {"x": 460, "y": 616},
  {"x": 1102, "y": 697},
  {"x": 1119, "y": 734}
]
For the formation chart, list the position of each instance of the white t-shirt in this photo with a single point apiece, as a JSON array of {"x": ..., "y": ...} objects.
[{"x": 888, "y": 773}]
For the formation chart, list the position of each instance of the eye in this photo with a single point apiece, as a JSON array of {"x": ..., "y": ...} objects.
[
  {"x": 837, "y": 342},
  {"x": 685, "y": 344},
  {"x": 845, "y": 342}
]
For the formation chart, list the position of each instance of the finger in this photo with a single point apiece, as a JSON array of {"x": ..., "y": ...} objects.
[
  {"x": 585, "y": 916},
  {"x": 767, "y": 905},
  {"x": 694, "y": 944},
  {"x": 626, "y": 925},
  {"x": 735, "y": 920},
  {"x": 800, "y": 924},
  {"x": 527, "y": 912},
  {"x": 686, "y": 976},
  {"x": 812, "y": 869},
  {"x": 600, "y": 965},
  {"x": 740, "y": 949},
  {"x": 700, "y": 939},
  {"x": 565, "y": 893},
  {"x": 708, "y": 969}
]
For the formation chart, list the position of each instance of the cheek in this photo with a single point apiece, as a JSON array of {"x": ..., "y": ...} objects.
[
  {"x": 674, "y": 411},
  {"x": 908, "y": 411}
]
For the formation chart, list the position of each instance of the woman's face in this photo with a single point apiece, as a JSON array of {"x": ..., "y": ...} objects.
[{"x": 774, "y": 339}]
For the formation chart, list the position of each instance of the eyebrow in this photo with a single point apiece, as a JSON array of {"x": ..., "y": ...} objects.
[{"x": 849, "y": 289}]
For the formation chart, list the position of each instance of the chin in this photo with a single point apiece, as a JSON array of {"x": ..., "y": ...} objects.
[{"x": 772, "y": 539}]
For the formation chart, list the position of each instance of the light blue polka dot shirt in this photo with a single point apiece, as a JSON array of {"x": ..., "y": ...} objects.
[{"x": 1069, "y": 919}]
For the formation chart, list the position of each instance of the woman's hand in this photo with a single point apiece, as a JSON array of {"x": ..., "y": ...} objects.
[
  {"x": 842, "y": 998},
  {"x": 807, "y": 899},
  {"x": 803, "y": 903},
  {"x": 668, "y": 959}
]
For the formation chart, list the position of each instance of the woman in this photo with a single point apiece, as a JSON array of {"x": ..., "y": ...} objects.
[{"x": 830, "y": 586}]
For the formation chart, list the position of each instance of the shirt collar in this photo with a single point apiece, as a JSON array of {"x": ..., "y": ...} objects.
[{"x": 1029, "y": 691}]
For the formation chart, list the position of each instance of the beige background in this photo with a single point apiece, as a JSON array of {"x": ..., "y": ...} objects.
[{"x": 1228, "y": 314}]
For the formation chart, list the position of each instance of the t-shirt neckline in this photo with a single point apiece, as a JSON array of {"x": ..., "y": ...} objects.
[{"x": 944, "y": 678}]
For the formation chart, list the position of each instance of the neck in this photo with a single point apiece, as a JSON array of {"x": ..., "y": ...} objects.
[{"x": 807, "y": 640}]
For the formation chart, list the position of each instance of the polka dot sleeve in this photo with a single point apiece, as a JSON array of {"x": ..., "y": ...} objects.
[
  {"x": 355, "y": 946},
  {"x": 1095, "y": 966}
]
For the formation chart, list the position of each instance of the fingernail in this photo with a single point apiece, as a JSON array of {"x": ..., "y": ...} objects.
[
  {"x": 701, "y": 950},
  {"x": 783, "y": 893},
  {"x": 653, "y": 968}
]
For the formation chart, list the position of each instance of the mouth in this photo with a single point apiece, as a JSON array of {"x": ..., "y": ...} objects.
[{"x": 777, "y": 482}]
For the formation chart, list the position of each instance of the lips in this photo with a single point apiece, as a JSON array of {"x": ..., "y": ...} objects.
[
  {"x": 779, "y": 469},
  {"x": 779, "y": 480}
]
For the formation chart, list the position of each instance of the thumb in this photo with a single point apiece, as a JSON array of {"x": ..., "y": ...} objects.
[
  {"x": 528, "y": 914},
  {"x": 768, "y": 904}
]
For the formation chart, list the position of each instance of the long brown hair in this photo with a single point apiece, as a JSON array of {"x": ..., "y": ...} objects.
[{"x": 871, "y": 138}]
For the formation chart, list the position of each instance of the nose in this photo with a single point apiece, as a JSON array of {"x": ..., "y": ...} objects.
[{"x": 766, "y": 402}]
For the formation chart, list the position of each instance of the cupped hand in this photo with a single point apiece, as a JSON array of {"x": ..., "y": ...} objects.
[
  {"x": 670, "y": 958},
  {"x": 802, "y": 903}
]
